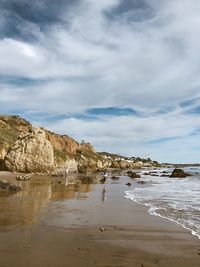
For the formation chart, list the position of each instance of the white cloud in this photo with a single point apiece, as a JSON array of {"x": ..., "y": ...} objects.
[
  {"x": 94, "y": 61},
  {"x": 133, "y": 135}
]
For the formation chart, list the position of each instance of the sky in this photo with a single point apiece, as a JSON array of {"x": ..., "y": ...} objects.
[{"x": 123, "y": 75}]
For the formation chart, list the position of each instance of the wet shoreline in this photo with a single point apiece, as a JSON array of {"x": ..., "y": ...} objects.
[{"x": 50, "y": 224}]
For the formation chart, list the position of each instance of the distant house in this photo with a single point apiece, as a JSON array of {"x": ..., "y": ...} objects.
[
  {"x": 148, "y": 164},
  {"x": 119, "y": 158},
  {"x": 130, "y": 161}
]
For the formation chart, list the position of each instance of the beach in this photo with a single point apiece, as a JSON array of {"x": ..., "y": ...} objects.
[{"x": 51, "y": 224}]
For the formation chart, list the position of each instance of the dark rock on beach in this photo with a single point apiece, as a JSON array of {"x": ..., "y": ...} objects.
[
  {"x": 179, "y": 173},
  {"x": 153, "y": 174},
  {"x": 8, "y": 187},
  {"x": 133, "y": 175},
  {"x": 141, "y": 182},
  {"x": 115, "y": 177}
]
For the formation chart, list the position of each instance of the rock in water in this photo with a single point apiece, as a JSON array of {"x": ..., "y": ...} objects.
[
  {"x": 8, "y": 187},
  {"x": 115, "y": 177},
  {"x": 32, "y": 152},
  {"x": 141, "y": 182},
  {"x": 178, "y": 173},
  {"x": 133, "y": 175}
]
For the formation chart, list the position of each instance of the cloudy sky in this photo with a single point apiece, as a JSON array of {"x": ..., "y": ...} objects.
[{"x": 121, "y": 74}]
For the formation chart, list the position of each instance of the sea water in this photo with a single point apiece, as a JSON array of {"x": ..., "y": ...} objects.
[{"x": 177, "y": 200}]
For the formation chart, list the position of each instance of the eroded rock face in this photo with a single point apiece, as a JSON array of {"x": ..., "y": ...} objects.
[
  {"x": 124, "y": 164},
  {"x": 86, "y": 165},
  {"x": 2, "y": 153},
  {"x": 62, "y": 142},
  {"x": 87, "y": 147},
  {"x": 32, "y": 152}
]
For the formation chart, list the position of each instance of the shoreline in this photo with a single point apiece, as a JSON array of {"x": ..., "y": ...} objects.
[
  {"x": 153, "y": 213},
  {"x": 65, "y": 230}
]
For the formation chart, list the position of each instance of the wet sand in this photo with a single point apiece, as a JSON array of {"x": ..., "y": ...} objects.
[{"x": 50, "y": 224}]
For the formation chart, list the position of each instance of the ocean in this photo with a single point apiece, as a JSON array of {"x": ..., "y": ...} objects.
[{"x": 177, "y": 200}]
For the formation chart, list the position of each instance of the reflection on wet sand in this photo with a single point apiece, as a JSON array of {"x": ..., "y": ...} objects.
[
  {"x": 104, "y": 193},
  {"x": 73, "y": 191},
  {"x": 24, "y": 207}
]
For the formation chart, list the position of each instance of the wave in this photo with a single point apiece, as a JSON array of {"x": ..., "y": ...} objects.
[{"x": 172, "y": 199}]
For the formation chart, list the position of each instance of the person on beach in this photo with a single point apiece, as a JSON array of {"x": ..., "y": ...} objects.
[
  {"x": 66, "y": 171},
  {"x": 103, "y": 180},
  {"x": 66, "y": 174},
  {"x": 105, "y": 175}
]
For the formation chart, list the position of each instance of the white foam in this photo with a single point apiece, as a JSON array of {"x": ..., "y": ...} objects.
[{"x": 177, "y": 200}]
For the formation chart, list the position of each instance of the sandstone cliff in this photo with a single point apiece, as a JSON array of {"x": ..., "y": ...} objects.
[
  {"x": 12, "y": 127},
  {"x": 20, "y": 145},
  {"x": 27, "y": 149},
  {"x": 64, "y": 148},
  {"x": 31, "y": 152}
]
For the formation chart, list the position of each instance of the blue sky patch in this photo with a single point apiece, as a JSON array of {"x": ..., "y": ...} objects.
[
  {"x": 195, "y": 110},
  {"x": 163, "y": 140},
  {"x": 195, "y": 132},
  {"x": 187, "y": 103},
  {"x": 20, "y": 81},
  {"x": 112, "y": 111}
]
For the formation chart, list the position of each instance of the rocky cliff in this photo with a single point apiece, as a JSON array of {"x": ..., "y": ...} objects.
[
  {"x": 14, "y": 127},
  {"x": 24, "y": 148}
]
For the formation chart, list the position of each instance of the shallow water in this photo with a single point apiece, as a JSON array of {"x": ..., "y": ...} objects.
[
  {"x": 23, "y": 208},
  {"x": 175, "y": 199}
]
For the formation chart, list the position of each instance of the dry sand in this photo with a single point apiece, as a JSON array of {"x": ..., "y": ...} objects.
[{"x": 51, "y": 225}]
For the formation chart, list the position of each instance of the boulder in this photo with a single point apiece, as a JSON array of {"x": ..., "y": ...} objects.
[
  {"x": 32, "y": 152},
  {"x": 133, "y": 175},
  {"x": 115, "y": 177},
  {"x": 141, "y": 182},
  {"x": 8, "y": 187},
  {"x": 179, "y": 173}
]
